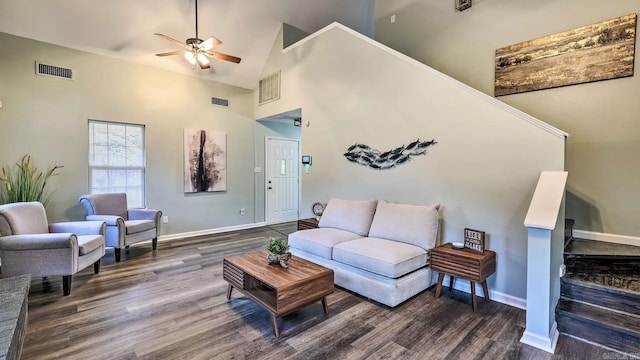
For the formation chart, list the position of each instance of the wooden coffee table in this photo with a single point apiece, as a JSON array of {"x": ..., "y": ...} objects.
[{"x": 278, "y": 290}]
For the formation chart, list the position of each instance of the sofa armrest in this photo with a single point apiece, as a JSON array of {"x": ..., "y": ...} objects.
[
  {"x": 111, "y": 220},
  {"x": 145, "y": 214},
  {"x": 79, "y": 227},
  {"x": 38, "y": 241}
]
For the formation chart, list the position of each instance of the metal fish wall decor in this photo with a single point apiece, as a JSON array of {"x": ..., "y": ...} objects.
[{"x": 376, "y": 159}]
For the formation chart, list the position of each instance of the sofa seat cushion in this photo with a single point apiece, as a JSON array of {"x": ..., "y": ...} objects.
[
  {"x": 350, "y": 215},
  {"x": 320, "y": 241},
  {"x": 88, "y": 243},
  {"x": 136, "y": 226},
  {"x": 384, "y": 257}
]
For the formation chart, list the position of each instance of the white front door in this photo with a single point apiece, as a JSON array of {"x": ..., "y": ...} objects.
[{"x": 282, "y": 180}]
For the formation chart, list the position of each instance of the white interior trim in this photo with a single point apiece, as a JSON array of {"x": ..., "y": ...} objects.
[
  {"x": 546, "y": 343},
  {"x": 468, "y": 89},
  {"x": 547, "y": 199},
  {"x": 612, "y": 238},
  {"x": 209, "y": 231},
  {"x": 464, "y": 286}
]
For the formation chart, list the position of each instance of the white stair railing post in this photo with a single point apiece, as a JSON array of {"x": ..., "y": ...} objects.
[{"x": 545, "y": 223}]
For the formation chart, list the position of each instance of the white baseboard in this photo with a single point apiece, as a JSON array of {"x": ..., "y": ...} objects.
[
  {"x": 465, "y": 286},
  {"x": 209, "y": 231},
  {"x": 611, "y": 238},
  {"x": 543, "y": 342}
]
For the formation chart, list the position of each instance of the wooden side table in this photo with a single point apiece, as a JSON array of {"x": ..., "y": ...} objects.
[
  {"x": 464, "y": 263},
  {"x": 310, "y": 223}
]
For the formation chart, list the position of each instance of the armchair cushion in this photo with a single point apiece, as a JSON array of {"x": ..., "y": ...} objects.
[
  {"x": 88, "y": 243},
  {"x": 136, "y": 226}
]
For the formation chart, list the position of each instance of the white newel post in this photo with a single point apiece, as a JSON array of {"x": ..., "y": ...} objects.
[{"x": 544, "y": 221}]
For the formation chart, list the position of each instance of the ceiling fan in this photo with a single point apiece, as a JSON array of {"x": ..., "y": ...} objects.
[{"x": 198, "y": 50}]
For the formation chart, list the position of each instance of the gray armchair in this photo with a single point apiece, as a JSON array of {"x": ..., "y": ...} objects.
[
  {"x": 124, "y": 226},
  {"x": 29, "y": 245}
]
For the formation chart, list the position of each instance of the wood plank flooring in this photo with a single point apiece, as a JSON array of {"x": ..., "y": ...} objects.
[{"x": 171, "y": 304}]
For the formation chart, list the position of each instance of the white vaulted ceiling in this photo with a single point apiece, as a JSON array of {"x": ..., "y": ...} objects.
[{"x": 124, "y": 28}]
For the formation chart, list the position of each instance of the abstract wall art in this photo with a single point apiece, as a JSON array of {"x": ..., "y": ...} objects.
[
  {"x": 205, "y": 161},
  {"x": 382, "y": 160},
  {"x": 595, "y": 52}
]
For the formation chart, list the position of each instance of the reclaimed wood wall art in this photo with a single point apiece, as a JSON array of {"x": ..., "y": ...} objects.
[{"x": 595, "y": 52}]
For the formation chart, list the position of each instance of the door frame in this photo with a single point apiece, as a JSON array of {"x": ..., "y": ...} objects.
[{"x": 266, "y": 174}]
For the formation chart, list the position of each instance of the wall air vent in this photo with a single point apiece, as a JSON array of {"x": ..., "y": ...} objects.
[
  {"x": 53, "y": 71},
  {"x": 269, "y": 88},
  {"x": 219, "y": 101}
]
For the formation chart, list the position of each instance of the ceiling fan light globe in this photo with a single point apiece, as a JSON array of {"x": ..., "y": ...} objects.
[
  {"x": 191, "y": 58},
  {"x": 202, "y": 59}
]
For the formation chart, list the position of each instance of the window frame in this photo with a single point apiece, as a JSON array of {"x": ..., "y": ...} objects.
[{"x": 138, "y": 168}]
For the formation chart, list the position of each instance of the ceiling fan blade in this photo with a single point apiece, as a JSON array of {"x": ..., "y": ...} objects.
[
  {"x": 222, "y": 56},
  {"x": 172, "y": 40},
  {"x": 172, "y": 53},
  {"x": 210, "y": 43},
  {"x": 204, "y": 66}
]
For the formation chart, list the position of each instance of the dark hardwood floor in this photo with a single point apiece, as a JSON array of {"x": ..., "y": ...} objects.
[{"x": 171, "y": 304}]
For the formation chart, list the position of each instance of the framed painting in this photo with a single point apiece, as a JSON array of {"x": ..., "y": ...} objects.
[
  {"x": 601, "y": 51},
  {"x": 205, "y": 161}
]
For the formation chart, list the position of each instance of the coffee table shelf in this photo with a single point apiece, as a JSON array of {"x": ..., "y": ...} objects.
[{"x": 278, "y": 290}]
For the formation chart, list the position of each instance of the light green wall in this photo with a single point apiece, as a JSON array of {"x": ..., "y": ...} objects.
[
  {"x": 602, "y": 117},
  {"x": 47, "y": 118},
  {"x": 483, "y": 170}
]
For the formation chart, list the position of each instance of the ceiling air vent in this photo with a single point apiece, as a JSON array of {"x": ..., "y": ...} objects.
[
  {"x": 219, "y": 101},
  {"x": 53, "y": 71},
  {"x": 269, "y": 88}
]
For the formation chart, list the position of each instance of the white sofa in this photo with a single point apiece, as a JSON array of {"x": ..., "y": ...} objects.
[{"x": 377, "y": 249}]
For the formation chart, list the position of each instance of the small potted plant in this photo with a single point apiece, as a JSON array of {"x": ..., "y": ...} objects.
[{"x": 278, "y": 252}]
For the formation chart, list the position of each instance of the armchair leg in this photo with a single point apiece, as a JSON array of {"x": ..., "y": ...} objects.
[
  {"x": 66, "y": 285},
  {"x": 116, "y": 251},
  {"x": 96, "y": 267},
  {"x": 154, "y": 244}
]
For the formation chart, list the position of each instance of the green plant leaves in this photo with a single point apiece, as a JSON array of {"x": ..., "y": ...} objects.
[{"x": 25, "y": 182}]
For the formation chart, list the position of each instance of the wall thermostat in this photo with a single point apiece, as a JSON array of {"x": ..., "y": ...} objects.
[{"x": 306, "y": 160}]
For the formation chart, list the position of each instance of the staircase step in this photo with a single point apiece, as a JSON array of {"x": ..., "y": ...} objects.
[
  {"x": 621, "y": 293},
  {"x": 611, "y": 329},
  {"x": 589, "y": 256},
  {"x": 592, "y": 247}
]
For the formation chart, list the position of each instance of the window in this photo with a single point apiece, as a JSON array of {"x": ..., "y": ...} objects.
[{"x": 117, "y": 160}]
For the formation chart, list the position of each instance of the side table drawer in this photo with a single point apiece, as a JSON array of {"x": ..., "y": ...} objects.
[{"x": 464, "y": 263}]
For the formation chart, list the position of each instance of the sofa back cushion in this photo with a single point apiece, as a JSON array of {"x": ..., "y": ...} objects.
[
  {"x": 411, "y": 224},
  {"x": 350, "y": 215}
]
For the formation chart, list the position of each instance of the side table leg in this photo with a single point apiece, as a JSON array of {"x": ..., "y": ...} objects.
[
  {"x": 474, "y": 303},
  {"x": 229, "y": 288},
  {"x": 274, "y": 324},
  {"x": 324, "y": 305},
  {"x": 451, "y": 279},
  {"x": 485, "y": 290},
  {"x": 439, "y": 286}
]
